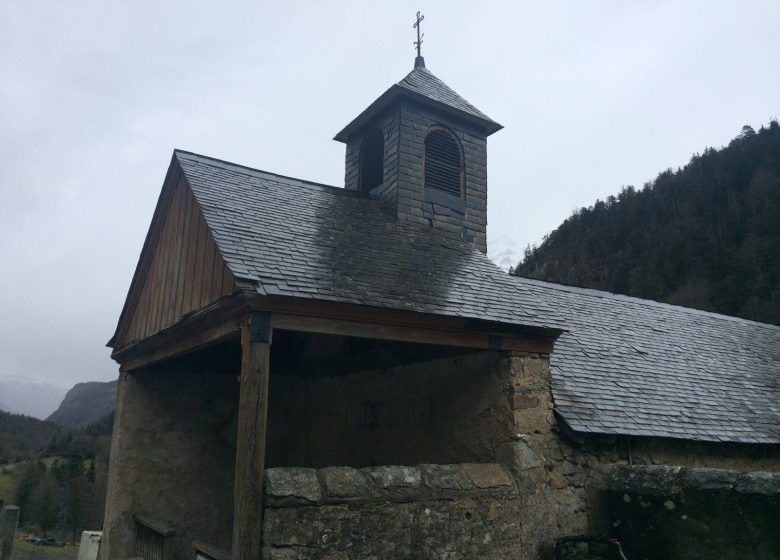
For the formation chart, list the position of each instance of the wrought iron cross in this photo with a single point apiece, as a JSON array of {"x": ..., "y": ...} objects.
[{"x": 416, "y": 25}]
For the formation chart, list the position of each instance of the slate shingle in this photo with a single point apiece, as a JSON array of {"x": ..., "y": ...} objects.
[
  {"x": 422, "y": 86},
  {"x": 623, "y": 366},
  {"x": 422, "y": 81}
]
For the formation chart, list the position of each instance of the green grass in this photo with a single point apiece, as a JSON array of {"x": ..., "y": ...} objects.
[
  {"x": 27, "y": 551},
  {"x": 7, "y": 488},
  {"x": 49, "y": 461}
]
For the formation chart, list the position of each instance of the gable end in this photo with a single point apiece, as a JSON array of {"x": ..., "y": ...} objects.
[{"x": 180, "y": 269}]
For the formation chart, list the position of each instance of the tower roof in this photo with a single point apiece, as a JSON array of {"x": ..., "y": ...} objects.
[{"x": 423, "y": 86}]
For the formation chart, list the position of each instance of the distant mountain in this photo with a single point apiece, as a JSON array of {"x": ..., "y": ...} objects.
[
  {"x": 704, "y": 236},
  {"x": 85, "y": 403},
  {"x": 23, "y": 395}
]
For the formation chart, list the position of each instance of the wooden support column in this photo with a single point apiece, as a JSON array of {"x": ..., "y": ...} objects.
[{"x": 250, "y": 442}]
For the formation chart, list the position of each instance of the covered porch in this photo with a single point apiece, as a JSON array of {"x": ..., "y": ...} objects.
[{"x": 332, "y": 394}]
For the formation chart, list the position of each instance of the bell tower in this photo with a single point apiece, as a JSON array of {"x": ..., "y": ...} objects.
[{"x": 422, "y": 149}]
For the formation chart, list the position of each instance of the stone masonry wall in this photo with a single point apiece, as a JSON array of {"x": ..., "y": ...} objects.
[
  {"x": 445, "y": 511},
  {"x": 428, "y": 511},
  {"x": 662, "y": 511}
]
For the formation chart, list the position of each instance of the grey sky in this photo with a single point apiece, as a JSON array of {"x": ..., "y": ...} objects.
[{"x": 94, "y": 96}]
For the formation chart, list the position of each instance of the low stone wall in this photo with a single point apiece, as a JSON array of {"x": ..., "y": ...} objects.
[
  {"x": 661, "y": 512},
  {"x": 428, "y": 511}
]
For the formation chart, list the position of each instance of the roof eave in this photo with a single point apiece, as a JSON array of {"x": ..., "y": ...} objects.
[{"x": 397, "y": 92}]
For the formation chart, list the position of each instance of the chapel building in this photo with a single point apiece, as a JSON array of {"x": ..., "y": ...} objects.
[{"x": 310, "y": 371}]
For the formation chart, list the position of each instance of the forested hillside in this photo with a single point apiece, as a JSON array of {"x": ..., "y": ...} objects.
[
  {"x": 704, "y": 236},
  {"x": 55, "y": 475},
  {"x": 22, "y": 437}
]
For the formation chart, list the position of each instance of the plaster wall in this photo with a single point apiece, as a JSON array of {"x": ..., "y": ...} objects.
[{"x": 172, "y": 460}]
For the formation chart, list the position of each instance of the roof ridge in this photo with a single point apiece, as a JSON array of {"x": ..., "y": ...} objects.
[
  {"x": 254, "y": 172},
  {"x": 592, "y": 292}
]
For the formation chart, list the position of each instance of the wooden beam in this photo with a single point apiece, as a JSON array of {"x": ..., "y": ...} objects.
[
  {"x": 211, "y": 325},
  {"x": 411, "y": 333},
  {"x": 404, "y": 326},
  {"x": 220, "y": 321},
  {"x": 250, "y": 442}
]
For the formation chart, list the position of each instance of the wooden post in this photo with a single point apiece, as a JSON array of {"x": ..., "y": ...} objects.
[{"x": 250, "y": 442}]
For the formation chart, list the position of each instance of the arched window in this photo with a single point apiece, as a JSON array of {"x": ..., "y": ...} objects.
[
  {"x": 372, "y": 160},
  {"x": 443, "y": 168}
]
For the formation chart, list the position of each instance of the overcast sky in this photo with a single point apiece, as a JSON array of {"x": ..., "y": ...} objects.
[{"x": 94, "y": 96}]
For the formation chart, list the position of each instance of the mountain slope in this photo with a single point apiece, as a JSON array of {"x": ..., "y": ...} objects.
[
  {"x": 85, "y": 403},
  {"x": 705, "y": 236}
]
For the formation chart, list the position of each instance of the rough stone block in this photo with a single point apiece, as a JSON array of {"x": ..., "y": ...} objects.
[
  {"x": 344, "y": 483},
  {"x": 766, "y": 483},
  {"x": 517, "y": 455},
  {"x": 708, "y": 479},
  {"x": 394, "y": 477},
  {"x": 533, "y": 421},
  {"x": 445, "y": 477},
  {"x": 658, "y": 480},
  {"x": 289, "y": 527},
  {"x": 567, "y": 468},
  {"x": 487, "y": 475},
  {"x": 557, "y": 480},
  {"x": 292, "y": 486},
  {"x": 525, "y": 399}
]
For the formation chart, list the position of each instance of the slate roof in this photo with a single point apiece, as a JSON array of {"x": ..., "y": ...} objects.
[
  {"x": 624, "y": 366},
  {"x": 423, "y": 86},
  {"x": 637, "y": 367},
  {"x": 306, "y": 240},
  {"x": 422, "y": 81}
]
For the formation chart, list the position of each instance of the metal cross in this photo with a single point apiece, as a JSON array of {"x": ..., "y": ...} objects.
[{"x": 416, "y": 25}]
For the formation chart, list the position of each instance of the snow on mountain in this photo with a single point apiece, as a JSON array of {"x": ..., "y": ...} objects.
[{"x": 24, "y": 395}]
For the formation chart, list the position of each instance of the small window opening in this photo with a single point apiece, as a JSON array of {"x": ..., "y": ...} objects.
[
  {"x": 372, "y": 160},
  {"x": 443, "y": 169},
  {"x": 152, "y": 539}
]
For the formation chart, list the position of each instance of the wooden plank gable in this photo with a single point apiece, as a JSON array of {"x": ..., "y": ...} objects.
[{"x": 180, "y": 271}]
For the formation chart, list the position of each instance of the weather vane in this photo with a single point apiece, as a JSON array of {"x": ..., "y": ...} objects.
[{"x": 418, "y": 42}]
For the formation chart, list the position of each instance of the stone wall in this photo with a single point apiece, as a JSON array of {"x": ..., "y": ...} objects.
[
  {"x": 172, "y": 460},
  {"x": 454, "y": 419},
  {"x": 427, "y": 511},
  {"x": 494, "y": 406},
  {"x": 660, "y": 512}
]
